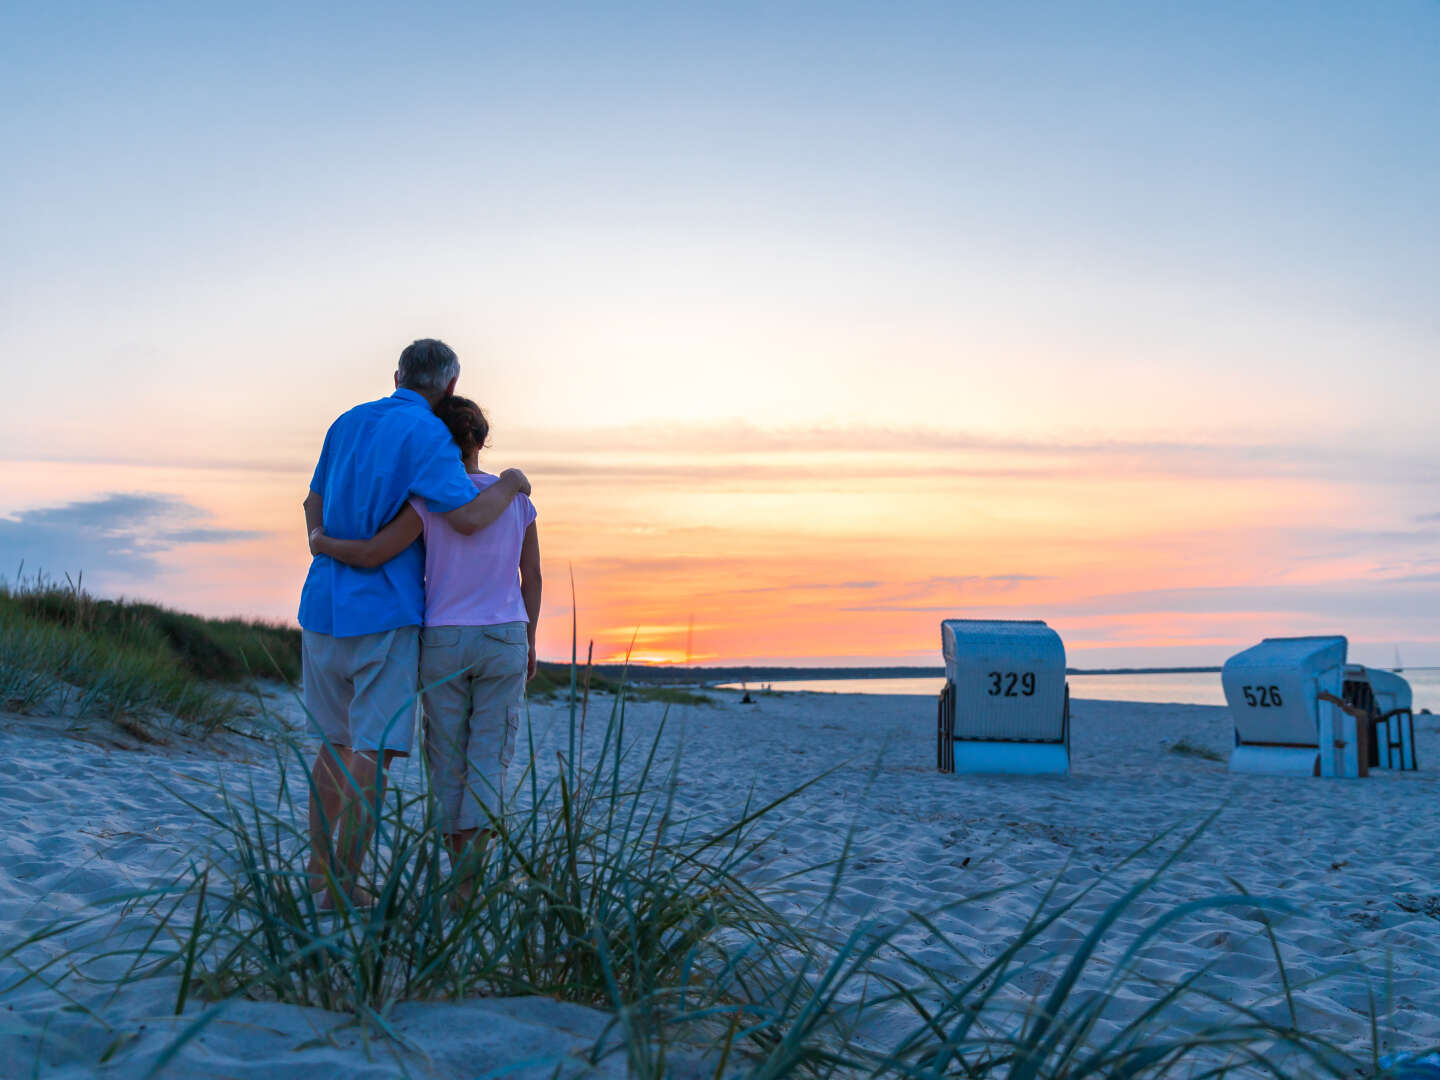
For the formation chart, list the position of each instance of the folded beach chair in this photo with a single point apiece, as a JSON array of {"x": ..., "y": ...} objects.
[
  {"x": 1385, "y": 697},
  {"x": 1284, "y": 695},
  {"x": 1006, "y": 705}
]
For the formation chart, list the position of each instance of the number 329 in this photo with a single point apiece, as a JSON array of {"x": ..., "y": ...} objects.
[{"x": 1003, "y": 683}]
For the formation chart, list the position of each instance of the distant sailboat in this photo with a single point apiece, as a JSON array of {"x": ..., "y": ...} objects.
[{"x": 1398, "y": 668}]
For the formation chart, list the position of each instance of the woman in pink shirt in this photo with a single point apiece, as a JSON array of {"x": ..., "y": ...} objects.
[{"x": 477, "y": 648}]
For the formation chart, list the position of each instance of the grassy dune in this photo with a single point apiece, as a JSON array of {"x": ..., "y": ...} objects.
[
  {"x": 133, "y": 661},
  {"x": 62, "y": 648}
]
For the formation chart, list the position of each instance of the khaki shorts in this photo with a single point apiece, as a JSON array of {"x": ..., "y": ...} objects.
[
  {"x": 471, "y": 720},
  {"x": 361, "y": 691}
]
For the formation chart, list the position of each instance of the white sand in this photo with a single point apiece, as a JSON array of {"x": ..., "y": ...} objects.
[
  {"x": 1356, "y": 858},
  {"x": 84, "y": 821}
]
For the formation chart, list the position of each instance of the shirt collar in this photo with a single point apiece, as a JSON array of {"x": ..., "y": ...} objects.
[{"x": 410, "y": 395}]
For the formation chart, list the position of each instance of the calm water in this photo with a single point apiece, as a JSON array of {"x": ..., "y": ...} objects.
[{"x": 1201, "y": 689}]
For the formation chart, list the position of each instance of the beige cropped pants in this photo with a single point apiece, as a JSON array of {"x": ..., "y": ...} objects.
[{"x": 474, "y": 695}]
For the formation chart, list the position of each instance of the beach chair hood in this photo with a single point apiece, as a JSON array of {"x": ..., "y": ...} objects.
[
  {"x": 1009, "y": 678},
  {"x": 1272, "y": 688}
]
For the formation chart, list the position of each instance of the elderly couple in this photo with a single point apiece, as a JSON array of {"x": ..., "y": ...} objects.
[{"x": 425, "y": 577}]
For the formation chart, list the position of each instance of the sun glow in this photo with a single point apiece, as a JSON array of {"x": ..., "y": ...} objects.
[{"x": 804, "y": 554}]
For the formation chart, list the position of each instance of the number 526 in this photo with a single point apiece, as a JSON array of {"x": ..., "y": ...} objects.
[{"x": 1262, "y": 697}]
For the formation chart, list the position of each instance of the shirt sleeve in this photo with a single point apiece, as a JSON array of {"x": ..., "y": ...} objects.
[
  {"x": 438, "y": 475},
  {"x": 527, "y": 509},
  {"x": 418, "y": 505},
  {"x": 317, "y": 479}
]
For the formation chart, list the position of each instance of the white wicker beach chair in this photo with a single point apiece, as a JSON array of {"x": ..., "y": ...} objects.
[
  {"x": 1385, "y": 696},
  {"x": 1006, "y": 705},
  {"x": 1284, "y": 695}
]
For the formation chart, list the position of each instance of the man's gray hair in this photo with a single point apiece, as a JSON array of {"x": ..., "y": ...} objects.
[{"x": 428, "y": 364}]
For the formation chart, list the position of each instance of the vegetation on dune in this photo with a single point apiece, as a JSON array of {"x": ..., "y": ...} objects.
[
  {"x": 668, "y": 695},
  {"x": 224, "y": 650},
  {"x": 552, "y": 682},
  {"x": 594, "y": 893},
  {"x": 130, "y": 661},
  {"x": 1185, "y": 748}
]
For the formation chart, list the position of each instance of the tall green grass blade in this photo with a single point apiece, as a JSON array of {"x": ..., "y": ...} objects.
[{"x": 191, "y": 947}]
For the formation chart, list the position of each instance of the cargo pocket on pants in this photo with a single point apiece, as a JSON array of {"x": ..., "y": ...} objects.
[{"x": 512, "y": 733}]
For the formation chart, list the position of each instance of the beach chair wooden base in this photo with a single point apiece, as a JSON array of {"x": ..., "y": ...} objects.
[
  {"x": 1341, "y": 751},
  {"x": 1275, "y": 760},
  {"x": 1396, "y": 735},
  {"x": 1344, "y": 735},
  {"x": 1022, "y": 758}
]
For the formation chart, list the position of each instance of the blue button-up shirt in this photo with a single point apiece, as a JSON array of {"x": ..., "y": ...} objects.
[{"x": 375, "y": 457}]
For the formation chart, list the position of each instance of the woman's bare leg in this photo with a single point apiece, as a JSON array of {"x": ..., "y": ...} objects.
[{"x": 467, "y": 850}]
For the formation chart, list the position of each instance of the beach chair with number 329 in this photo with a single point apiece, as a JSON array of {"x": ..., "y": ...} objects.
[{"x": 1006, "y": 705}]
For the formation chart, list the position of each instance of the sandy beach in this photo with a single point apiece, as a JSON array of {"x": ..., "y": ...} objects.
[
  {"x": 85, "y": 821},
  {"x": 804, "y": 381}
]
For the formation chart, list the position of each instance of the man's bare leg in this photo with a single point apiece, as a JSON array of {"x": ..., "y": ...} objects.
[
  {"x": 327, "y": 800},
  {"x": 360, "y": 810}
]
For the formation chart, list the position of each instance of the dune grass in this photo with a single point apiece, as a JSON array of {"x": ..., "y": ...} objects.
[
  {"x": 221, "y": 650},
  {"x": 668, "y": 695},
  {"x": 1186, "y": 748},
  {"x": 552, "y": 682},
  {"x": 135, "y": 663},
  {"x": 599, "y": 889}
]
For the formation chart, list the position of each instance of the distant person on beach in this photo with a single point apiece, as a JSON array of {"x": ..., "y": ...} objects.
[
  {"x": 477, "y": 650},
  {"x": 360, "y": 650}
]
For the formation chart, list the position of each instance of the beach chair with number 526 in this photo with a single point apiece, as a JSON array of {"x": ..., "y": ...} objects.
[{"x": 1285, "y": 697}]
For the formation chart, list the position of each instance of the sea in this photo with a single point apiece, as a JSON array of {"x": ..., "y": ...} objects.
[{"x": 1180, "y": 688}]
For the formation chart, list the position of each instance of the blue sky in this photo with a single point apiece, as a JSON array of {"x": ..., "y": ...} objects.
[
  {"x": 1226, "y": 192},
  {"x": 1203, "y": 228}
]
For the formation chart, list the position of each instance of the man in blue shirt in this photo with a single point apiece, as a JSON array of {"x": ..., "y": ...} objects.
[{"x": 360, "y": 628}]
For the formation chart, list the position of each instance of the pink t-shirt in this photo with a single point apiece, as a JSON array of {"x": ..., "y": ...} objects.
[{"x": 475, "y": 580}]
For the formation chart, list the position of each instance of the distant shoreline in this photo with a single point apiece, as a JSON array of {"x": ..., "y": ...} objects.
[
  {"x": 669, "y": 673},
  {"x": 1145, "y": 671},
  {"x": 659, "y": 674}
]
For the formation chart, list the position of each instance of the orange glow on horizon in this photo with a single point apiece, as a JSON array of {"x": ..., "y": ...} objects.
[{"x": 819, "y": 557}]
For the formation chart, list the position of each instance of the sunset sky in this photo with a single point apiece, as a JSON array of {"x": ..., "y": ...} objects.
[{"x": 813, "y": 324}]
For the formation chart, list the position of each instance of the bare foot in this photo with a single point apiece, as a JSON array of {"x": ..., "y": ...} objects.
[
  {"x": 462, "y": 896},
  {"x": 316, "y": 871},
  {"x": 357, "y": 899}
]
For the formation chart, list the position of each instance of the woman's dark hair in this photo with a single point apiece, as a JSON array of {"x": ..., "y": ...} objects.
[{"x": 466, "y": 422}]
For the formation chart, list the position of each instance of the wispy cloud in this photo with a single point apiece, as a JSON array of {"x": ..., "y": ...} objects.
[
  {"x": 659, "y": 452},
  {"x": 889, "y": 448},
  {"x": 806, "y": 586},
  {"x": 119, "y": 535},
  {"x": 967, "y": 581},
  {"x": 1338, "y": 600}
]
